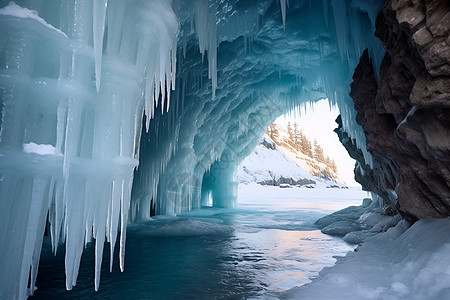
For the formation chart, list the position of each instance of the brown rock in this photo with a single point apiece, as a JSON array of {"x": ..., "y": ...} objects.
[{"x": 406, "y": 116}]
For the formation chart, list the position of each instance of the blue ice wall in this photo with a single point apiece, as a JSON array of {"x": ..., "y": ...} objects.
[
  {"x": 77, "y": 78},
  {"x": 264, "y": 69}
]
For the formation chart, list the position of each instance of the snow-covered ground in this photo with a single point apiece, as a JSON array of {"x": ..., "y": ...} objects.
[
  {"x": 274, "y": 165},
  {"x": 401, "y": 263}
]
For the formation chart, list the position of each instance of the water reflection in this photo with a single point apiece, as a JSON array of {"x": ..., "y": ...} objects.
[{"x": 208, "y": 254}]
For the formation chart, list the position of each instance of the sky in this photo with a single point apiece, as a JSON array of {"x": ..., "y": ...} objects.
[{"x": 318, "y": 122}]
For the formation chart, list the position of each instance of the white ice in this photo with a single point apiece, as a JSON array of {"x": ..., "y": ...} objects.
[
  {"x": 40, "y": 149},
  {"x": 80, "y": 76},
  {"x": 14, "y": 10}
]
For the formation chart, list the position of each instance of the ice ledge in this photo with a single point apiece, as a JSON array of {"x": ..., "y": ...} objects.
[
  {"x": 41, "y": 149},
  {"x": 14, "y": 10}
]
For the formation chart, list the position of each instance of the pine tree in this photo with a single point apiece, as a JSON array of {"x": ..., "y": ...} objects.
[
  {"x": 290, "y": 135},
  {"x": 318, "y": 152},
  {"x": 272, "y": 132},
  {"x": 333, "y": 166},
  {"x": 296, "y": 137},
  {"x": 308, "y": 148}
]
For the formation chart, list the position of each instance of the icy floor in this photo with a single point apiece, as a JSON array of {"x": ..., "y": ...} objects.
[{"x": 263, "y": 248}]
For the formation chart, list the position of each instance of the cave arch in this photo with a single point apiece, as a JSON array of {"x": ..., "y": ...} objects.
[
  {"x": 77, "y": 78},
  {"x": 280, "y": 67}
]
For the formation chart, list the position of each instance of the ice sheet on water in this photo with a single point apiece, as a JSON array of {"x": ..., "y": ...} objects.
[{"x": 176, "y": 227}]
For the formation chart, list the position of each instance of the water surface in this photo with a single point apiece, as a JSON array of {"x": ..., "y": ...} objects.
[{"x": 259, "y": 250}]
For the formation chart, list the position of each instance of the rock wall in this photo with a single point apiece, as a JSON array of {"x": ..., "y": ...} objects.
[{"x": 406, "y": 115}]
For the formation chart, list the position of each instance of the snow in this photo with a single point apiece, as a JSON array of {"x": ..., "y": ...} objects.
[
  {"x": 265, "y": 164},
  {"x": 356, "y": 223},
  {"x": 14, "y": 10},
  {"x": 400, "y": 263},
  {"x": 320, "y": 199},
  {"x": 40, "y": 149},
  {"x": 393, "y": 261},
  {"x": 410, "y": 113},
  {"x": 82, "y": 75}
]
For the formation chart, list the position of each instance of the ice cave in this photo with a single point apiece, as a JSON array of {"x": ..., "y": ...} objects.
[{"x": 115, "y": 110}]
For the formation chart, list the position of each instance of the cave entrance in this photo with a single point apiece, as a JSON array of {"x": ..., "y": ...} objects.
[
  {"x": 299, "y": 150},
  {"x": 281, "y": 191},
  {"x": 300, "y": 158},
  {"x": 306, "y": 135}
]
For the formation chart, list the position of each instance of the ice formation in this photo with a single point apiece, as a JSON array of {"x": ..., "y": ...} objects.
[{"x": 78, "y": 77}]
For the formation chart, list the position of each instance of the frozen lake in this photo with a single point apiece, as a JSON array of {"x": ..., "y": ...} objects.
[{"x": 266, "y": 246}]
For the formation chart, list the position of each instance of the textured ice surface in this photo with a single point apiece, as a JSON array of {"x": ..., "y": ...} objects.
[{"x": 209, "y": 76}]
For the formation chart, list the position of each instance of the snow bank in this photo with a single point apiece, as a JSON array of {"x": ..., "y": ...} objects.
[
  {"x": 397, "y": 264},
  {"x": 356, "y": 223}
]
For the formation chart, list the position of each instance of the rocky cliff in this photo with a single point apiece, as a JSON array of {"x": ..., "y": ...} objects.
[{"x": 406, "y": 114}]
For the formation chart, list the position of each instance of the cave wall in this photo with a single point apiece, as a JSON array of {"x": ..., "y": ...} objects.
[{"x": 406, "y": 114}]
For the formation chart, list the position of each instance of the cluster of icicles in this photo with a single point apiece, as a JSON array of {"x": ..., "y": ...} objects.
[{"x": 75, "y": 90}]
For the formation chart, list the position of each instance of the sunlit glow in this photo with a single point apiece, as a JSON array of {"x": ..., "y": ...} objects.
[{"x": 317, "y": 121}]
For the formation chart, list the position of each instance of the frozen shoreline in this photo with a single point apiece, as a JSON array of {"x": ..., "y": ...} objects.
[{"x": 401, "y": 263}]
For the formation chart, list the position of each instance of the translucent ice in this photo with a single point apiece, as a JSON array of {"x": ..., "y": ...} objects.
[{"x": 90, "y": 89}]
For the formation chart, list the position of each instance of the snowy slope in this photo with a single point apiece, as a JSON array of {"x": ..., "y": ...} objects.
[{"x": 270, "y": 164}]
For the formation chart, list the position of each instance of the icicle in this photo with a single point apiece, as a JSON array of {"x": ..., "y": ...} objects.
[
  {"x": 126, "y": 191},
  {"x": 205, "y": 26},
  {"x": 100, "y": 230},
  {"x": 283, "y": 4},
  {"x": 98, "y": 24},
  {"x": 115, "y": 215},
  {"x": 340, "y": 20},
  {"x": 174, "y": 64},
  {"x": 325, "y": 11},
  {"x": 168, "y": 93}
]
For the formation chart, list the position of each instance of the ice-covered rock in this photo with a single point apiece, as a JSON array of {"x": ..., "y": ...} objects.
[{"x": 356, "y": 223}]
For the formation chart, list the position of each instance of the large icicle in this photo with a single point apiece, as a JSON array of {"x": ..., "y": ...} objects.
[
  {"x": 52, "y": 100},
  {"x": 205, "y": 26},
  {"x": 80, "y": 91}
]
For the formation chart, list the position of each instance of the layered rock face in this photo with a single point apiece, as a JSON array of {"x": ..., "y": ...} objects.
[{"x": 406, "y": 115}]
